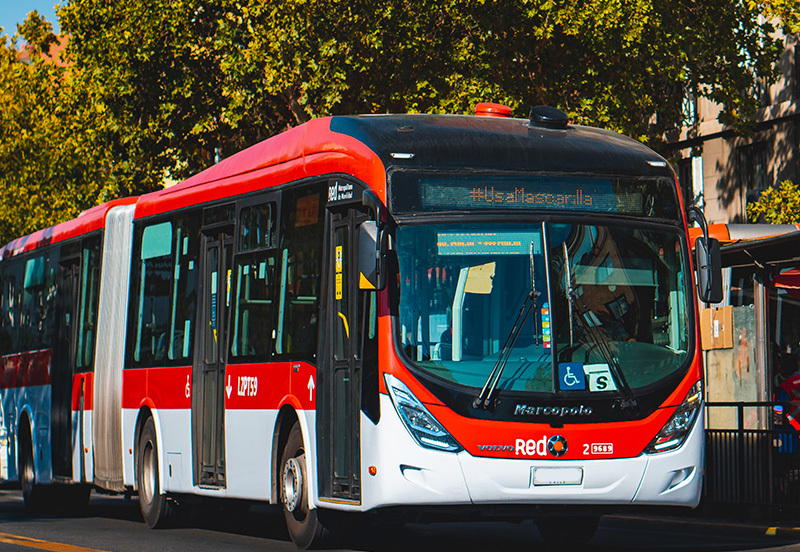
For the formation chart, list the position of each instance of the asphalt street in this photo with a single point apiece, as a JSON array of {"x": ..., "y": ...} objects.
[{"x": 113, "y": 524}]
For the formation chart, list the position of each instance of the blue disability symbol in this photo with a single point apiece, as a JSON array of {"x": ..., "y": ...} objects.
[{"x": 571, "y": 376}]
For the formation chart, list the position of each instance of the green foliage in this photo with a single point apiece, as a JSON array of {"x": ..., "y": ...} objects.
[
  {"x": 777, "y": 206},
  {"x": 787, "y": 11},
  {"x": 54, "y": 152},
  {"x": 162, "y": 88}
]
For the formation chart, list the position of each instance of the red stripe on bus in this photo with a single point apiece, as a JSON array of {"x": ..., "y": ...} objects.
[
  {"x": 268, "y": 385},
  {"x": 82, "y": 384},
  {"x": 26, "y": 369},
  {"x": 168, "y": 388},
  {"x": 264, "y": 386}
]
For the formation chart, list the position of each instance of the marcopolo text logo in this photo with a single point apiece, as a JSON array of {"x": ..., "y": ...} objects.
[{"x": 557, "y": 411}]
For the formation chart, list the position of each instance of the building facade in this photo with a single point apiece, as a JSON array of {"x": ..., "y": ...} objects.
[{"x": 721, "y": 171}]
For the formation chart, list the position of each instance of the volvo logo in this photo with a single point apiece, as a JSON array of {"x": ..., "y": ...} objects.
[
  {"x": 496, "y": 448},
  {"x": 557, "y": 445},
  {"x": 558, "y": 411}
]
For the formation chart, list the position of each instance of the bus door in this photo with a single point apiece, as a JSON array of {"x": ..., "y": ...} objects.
[
  {"x": 208, "y": 393},
  {"x": 339, "y": 398},
  {"x": 63, "y": 366}
]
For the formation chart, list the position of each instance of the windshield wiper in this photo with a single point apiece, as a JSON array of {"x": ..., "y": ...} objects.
[
  {"x": 485, "y": 399},
  {"x": 628, "y": 400}
]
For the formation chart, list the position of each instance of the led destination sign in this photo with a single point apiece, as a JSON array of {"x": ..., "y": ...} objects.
[
  {"x": 414, "y": 192},
  {"x": 520, "y": 196},
  {"x": 561, "y": 195},
  {"x": 488, "y": 243}
]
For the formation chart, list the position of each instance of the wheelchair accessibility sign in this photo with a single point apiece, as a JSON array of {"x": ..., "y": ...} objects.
[
  {"x": 576, "y": 376},
  {"x": 571, "y": 376}
]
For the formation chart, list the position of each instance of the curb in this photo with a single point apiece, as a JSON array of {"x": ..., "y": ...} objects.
[{"x": 745, "y": 529}]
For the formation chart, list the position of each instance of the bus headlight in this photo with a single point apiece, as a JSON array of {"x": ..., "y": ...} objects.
[
  {"x": 675, "y": 431},
  {"x": 420, "y": 423}
]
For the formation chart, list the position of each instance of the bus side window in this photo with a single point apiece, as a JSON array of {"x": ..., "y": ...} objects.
[
  {"x": 151, "y": 301},
  {"x": 164, "y": 295},
  {"x": 183, "y": 297},
  {"x": 9, "y": 320},
  {"x": 254, "y": 306},
  {"x": 302, "y": 235},
  {"x": 39, "y": 301},
  {"x": 89, "y": 295}
]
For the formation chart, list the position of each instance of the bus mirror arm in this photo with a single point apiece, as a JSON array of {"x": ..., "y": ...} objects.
[
  {"x": 373, "y": 245},
  {"x": 370, "y": 200},
  {"x": 709, "y": 263}
]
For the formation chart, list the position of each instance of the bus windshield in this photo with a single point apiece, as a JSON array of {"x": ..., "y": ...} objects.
[{"x": 608, "y": 304}]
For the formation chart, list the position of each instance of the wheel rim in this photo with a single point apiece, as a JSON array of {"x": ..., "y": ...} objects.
[
  {"x": 292, "y": 484},
  {"x": 148, "y": 473}
]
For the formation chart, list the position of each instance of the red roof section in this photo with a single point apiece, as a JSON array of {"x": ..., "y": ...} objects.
[
  {"x": 310, "y": 149},
  {"x": 88, "y": 221}
]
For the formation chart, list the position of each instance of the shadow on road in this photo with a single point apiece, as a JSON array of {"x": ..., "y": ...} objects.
[{"x": 616, "y": 533}]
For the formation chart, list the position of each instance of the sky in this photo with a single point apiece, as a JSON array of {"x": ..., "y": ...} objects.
[{"x": 15, "y": 11}]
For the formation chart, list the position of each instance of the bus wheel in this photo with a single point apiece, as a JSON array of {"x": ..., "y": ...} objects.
[
  {"x": 567, "y": 531},
  {"x": 32, "y": 493},
  {"x": 302, "y": 522},
  {"x": 155, "y": 506}
]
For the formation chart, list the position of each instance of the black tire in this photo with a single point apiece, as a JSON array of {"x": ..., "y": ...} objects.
[
  {"x": 302, "y": 522},
  {"x": 567, "y": 531},
  {"x": 155, "y": 506},
  {"x": 33, "y": 494}
]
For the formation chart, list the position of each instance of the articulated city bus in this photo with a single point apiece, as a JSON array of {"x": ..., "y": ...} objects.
[{"x": 387, "y": 314}]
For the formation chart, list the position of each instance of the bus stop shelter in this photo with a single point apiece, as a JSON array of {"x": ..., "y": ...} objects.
[{"x": 752, "y": 347}]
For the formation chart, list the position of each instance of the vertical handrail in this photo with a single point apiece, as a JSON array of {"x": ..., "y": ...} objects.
[
  {"x": 770, "y": 446},
  {"x": 740, "y": 425}
]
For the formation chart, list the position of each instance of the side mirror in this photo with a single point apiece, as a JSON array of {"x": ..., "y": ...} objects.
[
  {"x": 709, "y": 261},
  {"x": 373, "y": 243},
  {"x": 709, "y": 270},
  {"x": 371, "y": 256}
]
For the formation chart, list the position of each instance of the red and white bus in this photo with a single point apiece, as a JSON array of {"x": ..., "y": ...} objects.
[{"x": 387, "y": 314}]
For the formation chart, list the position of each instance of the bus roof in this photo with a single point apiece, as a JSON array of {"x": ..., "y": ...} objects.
[
  {"x": 310, "y": 149},
  {"x": 495, "y": 143},
  {"x": 366, "y": 146},
  {"x": 88, "y": 221}
]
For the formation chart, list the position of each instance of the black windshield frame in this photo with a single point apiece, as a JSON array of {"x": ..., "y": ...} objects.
[{"x": 460, "y": 396}]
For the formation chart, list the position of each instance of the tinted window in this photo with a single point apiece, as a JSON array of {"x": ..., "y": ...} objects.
[
  {"x": 38, "y": 301},
  {"x": 164, "y": 298},
  {"x": 254, "y": 310},
  {"x": 255, "y": 304},
  {"x": 11, "y": 272},
  {"x": 257, "y": 227},
  {"x": 89, "y": 294},
  {"x": 186, "y": 242},
  {"x": 302, "y": 231}
]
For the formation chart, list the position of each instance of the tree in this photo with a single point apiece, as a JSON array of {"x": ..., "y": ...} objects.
[
  {"x": 193, "y": 79},
  {"x": 777, "y": 205},
  {"x": 163, "y": 88},
  {"x": 54, "y": 156}
]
